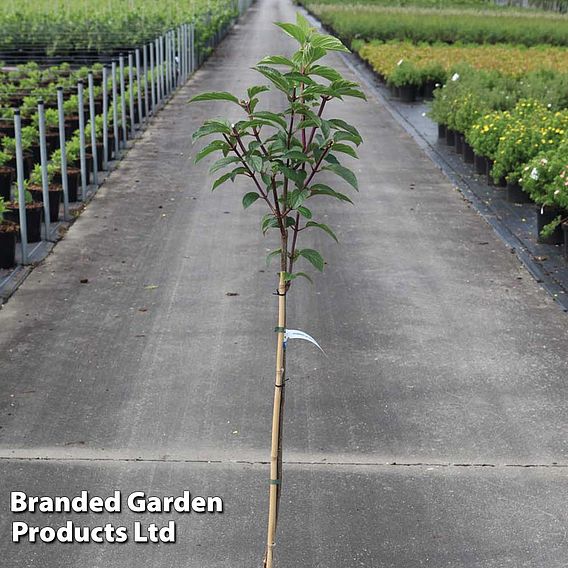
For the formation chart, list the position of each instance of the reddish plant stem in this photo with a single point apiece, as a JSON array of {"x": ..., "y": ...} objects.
[{"x": 250, "y": 172}]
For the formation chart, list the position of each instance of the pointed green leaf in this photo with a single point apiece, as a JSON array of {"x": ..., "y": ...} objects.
[
  {"x": 212, "y": 127},
  {"x": 222, "y": 162},
  {"x": 297, "y": 197},
  {"x": 256, "y": 90},
  {"x": 328, "y": 43},
  {"x": 326, "y": 72},
  {"x": 322, "y": 189},
  {"x": 288, "y": 277},
  {"x": 255, "y": 162},
  {"x": 215, "y": 96},
  {"x": 273, "y": 75},
  {"x": 293, "y": 31},
  {"x": 304, "y": 211},
  {"x": 344, "y": 173},
  {"x": 271, "y": 117},
  {"x": 314, "y": 257},
  {"x": 221, "y": 180},
  {"x": 276, "y": 60},
  {"x": 271, "y": 255},
  {"x": 249, "y": 199},
  {"x": 214, "y": 146},
  {"x": 323, "y": 227},
  {"x": 345, "y": 149}
]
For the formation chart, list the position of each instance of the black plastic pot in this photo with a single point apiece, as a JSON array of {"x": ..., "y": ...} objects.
[
  {"x": 441, "y": 130},
  {"x": 6, "y": 178},
  {"x": 468, "y": 155},
  {"x": 450, "y": 137},
  {"x": 459, "y": 142},
  {"x": 565, "y": 231},
  {"x": 428, "y": 90},
  {"x": 73, "y": 182},
  {"x": 515, "y": 194},
  {"x": 544, "y": 215},
  {"x": 34, "y": 216},
  {"x": 7, "y": 245},
  {"x": 489, "y": 167},
  {"x": 54, "y": 201},
  {"x": 407, "y": 93},
  {"x": 480, "y": 164}
]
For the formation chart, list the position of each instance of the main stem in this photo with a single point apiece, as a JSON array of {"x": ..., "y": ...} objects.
[{"x": 277, "y": 414}]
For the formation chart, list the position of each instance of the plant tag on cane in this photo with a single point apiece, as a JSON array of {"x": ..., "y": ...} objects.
[{"x": 297, "y": 334}]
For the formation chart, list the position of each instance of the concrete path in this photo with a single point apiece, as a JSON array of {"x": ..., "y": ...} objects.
[{"x": 435, "y": 434}]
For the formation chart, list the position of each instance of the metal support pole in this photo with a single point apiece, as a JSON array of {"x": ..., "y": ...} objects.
[
  {"x": 138, "y": 85},
  {"x": 167, "y": 64},
  {"x": 145, "y": 65},
  {"x": 82, "y": 152},
  {"x": 64, "y": 180},
  {"x": 43, "y": 161},
  {"x": 114, "y": 109},
  {"x": 131, "y": 94},
  {"x": 122, "y": 99},
  {"x": 21, "y": 188},
  {"x": 92, "y": 116},
  {"x": 162, "y": 69},
  {"x": 192, "y": 48},
  {"x": 105, "y": 118},
  {"x": 178, "y": 72},
  {"x": 153, "y": 76}
]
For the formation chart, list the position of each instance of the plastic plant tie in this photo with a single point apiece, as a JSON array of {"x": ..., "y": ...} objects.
[
  {"x": 275, "y": 482},
  {"x": 280, "y": 329}
]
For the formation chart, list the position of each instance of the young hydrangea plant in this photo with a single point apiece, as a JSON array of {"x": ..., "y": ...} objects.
[{"x": 281, "y": 153}]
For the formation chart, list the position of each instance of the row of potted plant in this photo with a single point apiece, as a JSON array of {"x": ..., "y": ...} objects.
[
  {"x": 352, "y": 19},
  {"x": 88, "y": 30},
  {"x": 413, "y": 68},
  {"x": 510, "y": 140}
]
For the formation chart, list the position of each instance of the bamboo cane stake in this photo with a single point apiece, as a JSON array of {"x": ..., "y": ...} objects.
[{"x": 275, "y": 452}]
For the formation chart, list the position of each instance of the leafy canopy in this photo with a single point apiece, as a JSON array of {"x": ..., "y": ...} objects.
[{"x": 282, "y": 153}]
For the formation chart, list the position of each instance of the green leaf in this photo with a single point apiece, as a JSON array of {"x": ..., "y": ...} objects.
[
  {"x": 323, "y": 227},
  {"x": 222, "y": 162},
  {"x": 275, "y": 77},
  {"x": 342, "y": 125},
  {"x": 344, "y": 173},
  {"x": 255, "y": 162},
  {"x": 345, "y": 149},
  {"x": 295, "y": 155},
  {"x": 256, "y": 90},
  {"x": 322, "y": 189},
  {"x": 328, "y": 42},
  {"x": 304, "y": 211},
  {"x": 271, "y": 255},
  {"x": 212, "y": 127},
  {"x": 215, "y": 96},
  {"x": 249, "y": 199},
  {"x": 297, "y": 197},
  {"x": 276, "y": 60},
  {"x": 221, "y": 180},
  {"x": 297, "y": 176},
  {"x": 269, "y": 221},
  {"x": 271, "y": 117},
  {"x": 214, "y": 146},
  {"x": 326, "y": 72},
  {"x": 341, "y": 135},
  {"x": 293, "y": 31},
  {"x": 288, "y": 277},
  {"x": 314, "y": 257}
]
